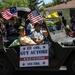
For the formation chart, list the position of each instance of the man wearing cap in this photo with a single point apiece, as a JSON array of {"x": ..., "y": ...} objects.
[{"x": 24, "y": 40}]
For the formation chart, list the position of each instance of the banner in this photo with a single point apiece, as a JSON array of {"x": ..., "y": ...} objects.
[
  {"x": 9, "y": 13},
  {"x": 53, "y": 15},
  {"x": 35, "y": 17},
  {"x": 32, "y": 56},
  {"x": 48, "y": 16}
]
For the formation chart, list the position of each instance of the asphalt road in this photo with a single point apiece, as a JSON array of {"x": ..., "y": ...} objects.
[
  {"x": 62, "y": 71},
  {"x": 38, "y": 73}
]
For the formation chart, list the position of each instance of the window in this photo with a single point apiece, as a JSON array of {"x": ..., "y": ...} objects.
[{"x": 59, "y": 13}]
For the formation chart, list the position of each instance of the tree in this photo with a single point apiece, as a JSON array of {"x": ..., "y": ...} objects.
[
  {"x": 11, "y": 3},
  {"x": 48, "y": 4},
  {"x": 19, "y": 3},
  {"x": 41, "y": 8},
  {"x": 55, "y": 2},
  {"x": 34, "y": 3}
]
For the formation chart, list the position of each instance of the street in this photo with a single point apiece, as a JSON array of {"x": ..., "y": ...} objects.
[
  {"x": 62, "y": 71},
  {"x": 45, "y": 72}
]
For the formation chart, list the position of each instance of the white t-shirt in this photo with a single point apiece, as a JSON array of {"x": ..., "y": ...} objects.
[
  {"x": 26, "y": 39},
  {"x": 37, "y": 35}
]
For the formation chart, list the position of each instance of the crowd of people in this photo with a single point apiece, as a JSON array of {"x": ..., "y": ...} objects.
[
  {"x": 70, "y": 29},
  {"x": 35, "y": 32},
  {"x": 13, "y": 30}
]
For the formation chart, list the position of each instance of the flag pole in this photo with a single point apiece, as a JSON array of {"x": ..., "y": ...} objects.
[
  {"x": 44, "y": 23},
  {"x": 49, "y": 37}
]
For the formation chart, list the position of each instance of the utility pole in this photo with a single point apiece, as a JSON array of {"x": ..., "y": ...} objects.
[{"x": 44, "y": 13}]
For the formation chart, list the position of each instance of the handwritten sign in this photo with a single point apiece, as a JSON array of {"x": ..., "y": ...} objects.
[{"x": 32, "y": 56}]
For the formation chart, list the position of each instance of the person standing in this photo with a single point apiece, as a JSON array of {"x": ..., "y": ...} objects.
[
  {"x": 28, "y": 27},
  {"x": 64, "y": 21}
]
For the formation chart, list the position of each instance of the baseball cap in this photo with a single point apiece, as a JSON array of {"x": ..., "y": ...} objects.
[{"x": 20, "y": 28}]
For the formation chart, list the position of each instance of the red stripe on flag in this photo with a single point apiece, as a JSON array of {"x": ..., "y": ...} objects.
[
  {"x": 35, "y": 19},
  {"x": 7, "y": 15}
]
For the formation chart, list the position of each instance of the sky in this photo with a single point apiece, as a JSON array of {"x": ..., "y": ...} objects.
[{"x": 47, "y": 1}]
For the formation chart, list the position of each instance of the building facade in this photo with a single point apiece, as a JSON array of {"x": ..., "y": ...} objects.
[{"x": 65, "y": 9}]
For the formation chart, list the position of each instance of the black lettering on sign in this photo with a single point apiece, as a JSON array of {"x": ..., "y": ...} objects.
[
  {"x": 36, "y": 63},
  {"x": 28, "y": 48},
  {"x": 29, "y": 63},
  {"x": 24, "y": 53},
  {"x": 42, "y": 51},
  {"x": 32, "y": 52},
  {"x": 37, "y": 47}
]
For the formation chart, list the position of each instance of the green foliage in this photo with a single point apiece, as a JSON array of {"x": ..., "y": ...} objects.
[
  {"x": 55, "y": 2},
  {"x": 48, "y": 5},
  {"x": 10, "y": 3},
  {"x": 41, "y": 8},
  {"x": 34, "y": 3},
  {"x": 19, "y": 3},
  {"x": 26, "y": 3}
]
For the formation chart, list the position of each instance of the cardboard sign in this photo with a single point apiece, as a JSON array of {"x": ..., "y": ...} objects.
[{"x": 32, "y": 56}]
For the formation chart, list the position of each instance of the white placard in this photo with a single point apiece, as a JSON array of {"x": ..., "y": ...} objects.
[{"x": 32, "y": 56}]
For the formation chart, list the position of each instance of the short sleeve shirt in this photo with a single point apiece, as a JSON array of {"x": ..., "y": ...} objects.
[
  {"x": 29, "y": 26},
  {"x": 37, "y": 35}
]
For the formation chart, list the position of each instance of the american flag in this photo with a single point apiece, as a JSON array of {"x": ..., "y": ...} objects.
[
  {"x": 9, "y": 12},
  {"x": 35, "y": 17}
]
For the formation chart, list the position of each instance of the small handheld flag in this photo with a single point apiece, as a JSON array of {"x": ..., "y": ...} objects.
[
  {"x": 34, "y": 16},
  {"x": 9, "y": 12}
]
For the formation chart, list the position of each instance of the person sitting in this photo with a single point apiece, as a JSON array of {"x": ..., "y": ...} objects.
[
  {"x": 39, "y": 35},
  {"x": 3, "y": 31},
  {"x": 24, "y": 40},
  {"x": 10, "y": 27},
  {"x": 68, "y": 31}
]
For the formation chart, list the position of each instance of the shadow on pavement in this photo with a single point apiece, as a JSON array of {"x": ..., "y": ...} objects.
[{"x": 41, "y": 72}]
